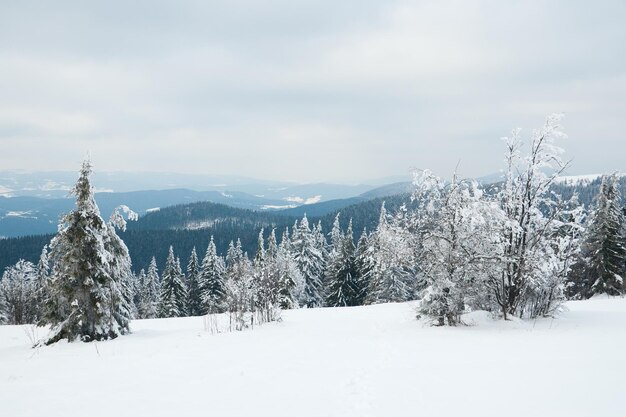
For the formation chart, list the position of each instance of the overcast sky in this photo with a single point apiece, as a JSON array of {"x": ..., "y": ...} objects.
[{"x": 307, "y": 90}]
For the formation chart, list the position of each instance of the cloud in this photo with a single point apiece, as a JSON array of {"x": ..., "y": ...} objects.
[{"x": 311, "y": 90}]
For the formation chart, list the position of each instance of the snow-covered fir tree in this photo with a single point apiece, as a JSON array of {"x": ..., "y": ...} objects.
[
  {"x": 18, "y": 293},
  {"x": 120, "y": 266},
  {"x": 392, "y": 275},
  {"x": 194, "y": 293},
  {"x": 240, "y": 286},
  {"x": 86, "y": 297},
  {"x": 42, "y": 282},
  {"x": 150, "y": 292},
  {"x": 141, "y": 280},
  {"x": 363, "y": 264},
  {"x": 266, "y": 279},
  {"x": 308, "y": 250},
  {"x": 173, "y": 292},
  {"x": 342, "y": 275},
  {"x": 604, "y": 247},
  {"x": 290, "y": 280},
  {"x": 213, "y": 281}
]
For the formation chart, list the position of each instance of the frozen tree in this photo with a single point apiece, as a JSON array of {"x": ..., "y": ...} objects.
[
  {"x": 18, "y": 293},
  {"x": 86, "y": 297},
  {"x": 604, "y": 250},
  {"x": 240, "y": 288},
  {"x": 392, "y": 259},
  {"x": 266, "y": 279},
  {"x": 150, "y": 292},
  {"x": 342, "y": 273},
  {"x": 291, "y": 283},
  {"x": 532, "y": 216},
  {"x": 459, "y": 238},
  {"x": 363, "y": 266},
  {"x": 310, "y": 258},
  {"x": 194, "y": 292},
  {"x": 42, "y": 281},
  {"x": 141, "y": 281},
  {"x": 173, "y": 291},
  {"x": 213, "y": 281},
  {"x": 120, "y": 268}
]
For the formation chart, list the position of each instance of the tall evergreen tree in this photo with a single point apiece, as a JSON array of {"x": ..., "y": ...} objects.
[
  {"x": 42, "y": 282},
  {"x": 212, "y": 281},
  {"x": 120, "y": 267},
  {"x": 310, "y": 259},
  {"x": 86, "y": 297},
  {"x": 342, "y": 285},
  {"x": 194, "y": 294},
  {"x": 604, "y": 250},
  {"x": 391, "y": 277},
  {"x": 151, "y": 292},
  {"x": 173, "y": 291},
  {"x": 363, "y": 266}
]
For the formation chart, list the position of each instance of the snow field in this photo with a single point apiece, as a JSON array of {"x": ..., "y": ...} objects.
[{"x": 359, "y": 361}]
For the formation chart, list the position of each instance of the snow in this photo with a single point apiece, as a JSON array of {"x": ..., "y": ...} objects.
[
  {"x": 153, "y": 209},
  {"x": 23, "y": 214},
  {"x": 273, "y": 207},
  {"x": 359, "y": 361},
  {"x": 313, "y": 200},
  {"x": 579, "y": 179},
  {"x": 302, "y": 200}
]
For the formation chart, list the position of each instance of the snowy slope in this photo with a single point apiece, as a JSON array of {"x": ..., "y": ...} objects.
[{"x": 364, "y": 361}]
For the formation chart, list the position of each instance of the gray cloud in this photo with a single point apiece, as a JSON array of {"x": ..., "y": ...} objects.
[{"x": 307, "y": 90}]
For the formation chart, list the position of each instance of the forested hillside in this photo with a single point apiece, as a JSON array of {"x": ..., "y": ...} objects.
[{"x": 189, "y": 225}]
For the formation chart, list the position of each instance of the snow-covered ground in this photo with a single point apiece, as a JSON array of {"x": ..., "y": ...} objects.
[{"x": 364, "y": 361}]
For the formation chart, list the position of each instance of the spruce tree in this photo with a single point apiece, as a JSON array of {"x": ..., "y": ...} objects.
[
  {"x": 41, "y": 284},
  {"x": 212, "y": 281},
  {"x": 194, "y": 295},
  {"x": 604, "y": 250},
  {"x": 86, "y": 298},
  {"x": 363, "y": 266},
  {"x": 173, "y": 291},
  {"x": 290, "y": 280},
  {"x": 151, "y": 291},
  {"x": 309, "y": 256},
  {"x": 342, "y": 288}
]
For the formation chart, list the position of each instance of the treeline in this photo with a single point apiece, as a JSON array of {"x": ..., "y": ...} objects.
[{"x": 153, "y": 232}]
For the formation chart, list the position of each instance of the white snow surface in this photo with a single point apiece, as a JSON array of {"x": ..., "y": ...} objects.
[
  {"x": 580, "y": 179},
  {"x": 362, "y": 361}
]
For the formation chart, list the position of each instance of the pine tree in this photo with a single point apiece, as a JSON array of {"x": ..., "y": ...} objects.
[
  {"x": 173, "y": 291},
  {"x": 342, "y": 285},
  {"x": 151, "y": 292},
  {"x": 290, "y": 280},
  {"x": 309, "y": 256},
  {"x": 391, "y": 276},
  {"x": 604, "y": 250},
  {"x": 266, "y": 279},
  {"x": 42, "y": 282},
  {"x": 120, "y": 268},
  {"x": 194, "y": 295},
  {"x": 86, "y": 297},
  {"x": 363, "y": 266},
  {"x": 140, "y": 295},
  {"x": 212, "y": 281}
]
